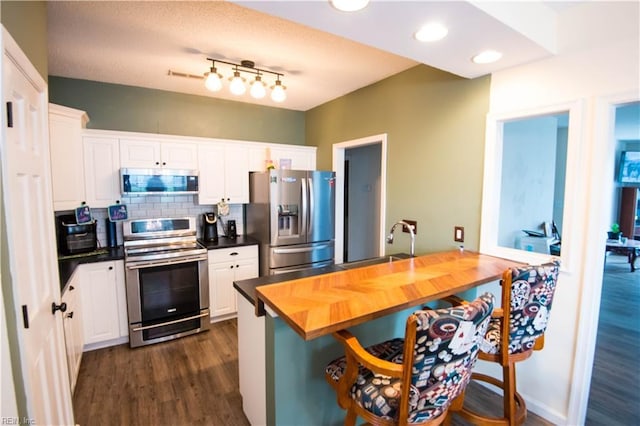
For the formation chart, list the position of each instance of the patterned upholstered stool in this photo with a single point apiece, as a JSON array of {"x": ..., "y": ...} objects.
[
  {"x": 415, "y": 379},
  {"x": 527, "y": 295}
]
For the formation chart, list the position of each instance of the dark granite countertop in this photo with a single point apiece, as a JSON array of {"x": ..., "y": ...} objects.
[
  {"x": 224, "y": 242},
  {"x": 66, "y": 266}
]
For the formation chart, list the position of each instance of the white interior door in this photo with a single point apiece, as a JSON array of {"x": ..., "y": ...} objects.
[{"x": 30, "y": 238}]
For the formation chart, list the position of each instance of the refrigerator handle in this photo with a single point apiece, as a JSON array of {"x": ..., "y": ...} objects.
[
  {"x": 311, "y": 209},
  {"x": 305, "y": 207}
]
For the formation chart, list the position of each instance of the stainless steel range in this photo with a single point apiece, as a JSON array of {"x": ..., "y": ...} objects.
[{"x": 167, "y": 280}]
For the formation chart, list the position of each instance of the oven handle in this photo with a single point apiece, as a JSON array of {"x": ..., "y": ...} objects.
[
  {"x": 152, "y": 263},
  {"x": 147, "y": 327}
]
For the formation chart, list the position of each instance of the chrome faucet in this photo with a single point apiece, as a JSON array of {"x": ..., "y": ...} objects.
[{"x": 413, "y": 236}]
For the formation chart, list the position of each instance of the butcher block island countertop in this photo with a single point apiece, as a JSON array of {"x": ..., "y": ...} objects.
[{"x": 319, "y": 305}]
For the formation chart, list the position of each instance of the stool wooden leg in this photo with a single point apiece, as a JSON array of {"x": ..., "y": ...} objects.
[
  {"x": 509, "y": 375},
  {"x": 350, "y": 418}
]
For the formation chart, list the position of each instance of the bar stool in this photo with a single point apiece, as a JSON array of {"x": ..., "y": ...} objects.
[
  {"x": 416, "y": 379},
  {"x": 527, "y": 295}
]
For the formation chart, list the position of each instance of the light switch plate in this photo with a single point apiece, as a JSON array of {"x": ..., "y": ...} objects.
[{"x": 458, "y": 234}]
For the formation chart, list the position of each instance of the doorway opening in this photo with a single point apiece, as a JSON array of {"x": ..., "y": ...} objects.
[
  {"x": 360, "y": 167},
  {"x": 615, "y": 326}
]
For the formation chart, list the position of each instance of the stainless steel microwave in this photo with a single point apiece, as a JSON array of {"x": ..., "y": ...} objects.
[{"x": 158, "y": 181}]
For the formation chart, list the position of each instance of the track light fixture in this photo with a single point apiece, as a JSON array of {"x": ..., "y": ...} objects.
[{"x": 213, "y": 80}]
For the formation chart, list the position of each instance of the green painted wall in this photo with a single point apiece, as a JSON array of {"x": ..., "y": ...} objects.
[
  {"x": 297, "y": 393},
  {"x": 137, "y": 109},
  {"x": 26, "y": 21},
  {"x": 435, "y": 125}
]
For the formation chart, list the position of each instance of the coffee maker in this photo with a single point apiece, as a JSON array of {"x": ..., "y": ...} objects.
[{"x": 210, "y": 227}]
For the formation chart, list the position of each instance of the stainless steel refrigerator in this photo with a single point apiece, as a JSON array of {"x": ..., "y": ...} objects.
[{"x": 291, "y": 213}]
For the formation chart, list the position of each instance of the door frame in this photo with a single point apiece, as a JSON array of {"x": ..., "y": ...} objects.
[
  {"x": 601, "y": 165},
  {"x": 338, "y": 166}
]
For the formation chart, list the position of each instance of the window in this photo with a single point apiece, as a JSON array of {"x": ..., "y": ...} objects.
[{"x": 526, "y": 183}]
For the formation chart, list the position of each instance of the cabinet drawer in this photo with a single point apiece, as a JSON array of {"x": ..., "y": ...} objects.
[{"x": 233, "y": 253}]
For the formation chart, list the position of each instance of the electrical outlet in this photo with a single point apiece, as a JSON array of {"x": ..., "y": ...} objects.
[
  {"x": 410, "y": 222},
  {"x": 458, "y": 234}
]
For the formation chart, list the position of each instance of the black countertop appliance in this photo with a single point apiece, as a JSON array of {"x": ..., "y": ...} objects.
[
  {"x": 209, "y": 227},
  {"x": 232, "y": 231},
  {"x": 74, "y": 238}
]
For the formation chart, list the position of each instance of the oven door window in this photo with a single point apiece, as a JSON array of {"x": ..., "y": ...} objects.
[{"x": 169, "y": 291}]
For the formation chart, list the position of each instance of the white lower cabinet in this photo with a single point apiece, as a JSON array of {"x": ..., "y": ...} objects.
[
  {"x": 104, "y": 304},
  {"x": 73, "y": 332},
  {"x": 226, "y": 266}
]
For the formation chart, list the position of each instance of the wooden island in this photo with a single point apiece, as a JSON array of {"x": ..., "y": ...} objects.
[
  {"x": 319, "y": 305},
  {"x": 301, "y": 313}
]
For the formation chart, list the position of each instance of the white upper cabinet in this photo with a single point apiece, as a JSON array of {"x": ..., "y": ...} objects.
[
  {"x": 224, "y": 173},
  {"x": 102, "y": 170},
  {"x": 302, "y": 157},
  {"x": 145, "y": 154},
  {"x": 67, "y": 165},
  {"x": 179, "y": 155},
  {"x": 236, "y": 174},
  {"x": 86, "y": 163}
]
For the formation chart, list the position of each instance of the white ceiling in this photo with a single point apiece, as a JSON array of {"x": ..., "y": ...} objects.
[{"x": 323, "y": 53}]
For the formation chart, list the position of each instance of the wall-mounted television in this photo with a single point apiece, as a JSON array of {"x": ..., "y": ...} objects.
[{"x": 630, "y": 168}]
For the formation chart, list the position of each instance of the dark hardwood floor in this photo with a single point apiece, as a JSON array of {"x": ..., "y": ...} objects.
[
  {"x": 194, "y": 380},
  {"x": 614, "y": 396}
]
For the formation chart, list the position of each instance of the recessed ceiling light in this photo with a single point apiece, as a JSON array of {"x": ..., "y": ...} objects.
[
  {"x": 349, "y": 5},
  {"x": 487, "y": 57},
  {"x": 433, "y": 31}
]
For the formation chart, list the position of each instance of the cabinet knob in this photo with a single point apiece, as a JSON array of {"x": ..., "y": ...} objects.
[
  {"x": 228, "y": 199},
  {"x": 70, "y": 315},
  {"x": 61, "y": 307},
  {"x": 233, "y": 253},
  {"x": 71, "y": 288},
  {"x": 164, "y": 164},
  {"x": 231, "y": 266},
  {"x": 157, "y": 163},
  {"x": 110, "y": 268}
]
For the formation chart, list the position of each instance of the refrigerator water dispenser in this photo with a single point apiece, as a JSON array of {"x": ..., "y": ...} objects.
[{"x": 288, "y": 219}]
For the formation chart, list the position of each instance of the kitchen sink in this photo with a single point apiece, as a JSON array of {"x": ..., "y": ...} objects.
[{"x": 374, "y": 261}]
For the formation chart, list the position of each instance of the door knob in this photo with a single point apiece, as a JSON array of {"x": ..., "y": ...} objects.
[{"x": 61, "y": 307}]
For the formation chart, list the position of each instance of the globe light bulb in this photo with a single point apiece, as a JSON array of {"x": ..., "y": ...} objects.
[
  {"x": 257, "y": 88},
  {"x": 349, "y": 5},
  {"x": 237, "y": 86},
  {"x": 213, "y": 81},
  {"x": 277, "y": 93}
]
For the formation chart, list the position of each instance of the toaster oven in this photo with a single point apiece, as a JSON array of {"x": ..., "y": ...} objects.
[{"x": 74, "y": 238}]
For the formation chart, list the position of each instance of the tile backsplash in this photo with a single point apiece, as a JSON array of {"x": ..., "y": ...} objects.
[{"x": 156, "y": 206}]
